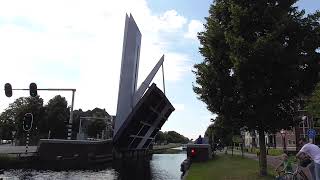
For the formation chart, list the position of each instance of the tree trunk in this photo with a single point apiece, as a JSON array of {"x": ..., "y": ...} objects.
[{"x": 263, "y": 156}]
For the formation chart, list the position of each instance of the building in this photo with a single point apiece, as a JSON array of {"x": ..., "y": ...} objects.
[
  {"x": 88, "y": 117},
  {"x": 287, "y": 138}
]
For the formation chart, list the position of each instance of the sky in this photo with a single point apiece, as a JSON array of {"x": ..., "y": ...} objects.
[{"x": 78, "y": 44}]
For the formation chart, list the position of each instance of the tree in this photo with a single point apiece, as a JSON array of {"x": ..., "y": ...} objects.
[
  {"x": 57, "y": 116},
  {"x": 174, "y": 137},
  {"x": 95, "y": 113},
  {"x": 160, "y": 137},
  {"x": 96, "y": 127},
  {"x": 12, "y": 118},
  {"x": 259, "y": 58},
  {"x": 7, "y": 123},
  {"x": 313, "y": 103},
  {"x": 170, "y": 137},
  {"x": 221, "y": 131}
]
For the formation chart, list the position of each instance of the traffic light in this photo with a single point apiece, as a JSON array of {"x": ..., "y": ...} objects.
[
  {"x": 33, "y": 89},
  {"x": 27, "y": 122},
  {"x": 8, "y": 89},
  {"x": 193, "y": 152}
]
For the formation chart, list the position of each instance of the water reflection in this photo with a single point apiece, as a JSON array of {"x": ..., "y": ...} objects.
[
  {"x": 166, "y": 166},
  {"x": 160, "y": 167},
  {"x": 129, "y": 169},
  {"x": 59, "y": 175}
]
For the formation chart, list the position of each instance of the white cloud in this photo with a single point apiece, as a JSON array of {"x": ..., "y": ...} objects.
[
  {"x": 194, "y": 27},
  {"x": 178, "y": 107},
  {"x": 171, "y": 21},
  {"x": 78, "y": 44}
]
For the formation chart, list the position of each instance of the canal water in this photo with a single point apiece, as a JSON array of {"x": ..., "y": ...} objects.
[{"x": 160, "y": 167}]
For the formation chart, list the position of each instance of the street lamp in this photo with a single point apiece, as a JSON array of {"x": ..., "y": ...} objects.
[
  {"x": 283, "y": 134},
  {"x": 304, "y": 118}
]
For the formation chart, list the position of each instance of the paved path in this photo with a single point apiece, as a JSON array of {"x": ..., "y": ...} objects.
[
  {"x": 168, "y": 146},
  {"x": 273, "y": 161},
  {"x": 8, "y": 149}
]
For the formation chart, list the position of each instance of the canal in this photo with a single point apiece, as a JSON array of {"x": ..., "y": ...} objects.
[{"x": 165, "y": 166}]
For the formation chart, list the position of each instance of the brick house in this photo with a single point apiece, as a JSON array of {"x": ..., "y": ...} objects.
[{"x": 289, "y": 138}]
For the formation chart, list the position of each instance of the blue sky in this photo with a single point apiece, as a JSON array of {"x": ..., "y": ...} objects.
[{"x": 78, "y": 44}]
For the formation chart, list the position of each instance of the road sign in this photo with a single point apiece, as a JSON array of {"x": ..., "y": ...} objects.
[
  {"x": 311, "y": 133},
  {"x": 237, "y": 139}
]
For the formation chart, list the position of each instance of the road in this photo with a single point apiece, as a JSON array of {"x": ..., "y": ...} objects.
[{"x": 9, "y": 149}]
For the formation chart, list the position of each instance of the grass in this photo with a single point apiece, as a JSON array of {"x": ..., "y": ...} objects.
[
  {"x": 271, "y": 151},
  {"x": 227, "y": 167},
  {"x": 6, "y": 160},
  {"x": 275, "y": 152}
]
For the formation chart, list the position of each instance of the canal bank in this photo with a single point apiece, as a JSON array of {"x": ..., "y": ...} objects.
[{"x": 58, "y": 154}]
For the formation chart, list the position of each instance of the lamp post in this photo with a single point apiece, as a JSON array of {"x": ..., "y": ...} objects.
[
  {"x": 283, "y": 134},
  {"x": 13, "y": 134},
  {"x": 304, "y": 118}
]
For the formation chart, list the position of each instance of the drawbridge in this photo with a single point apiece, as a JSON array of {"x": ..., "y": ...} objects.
[{"x": 141, "y": 112}]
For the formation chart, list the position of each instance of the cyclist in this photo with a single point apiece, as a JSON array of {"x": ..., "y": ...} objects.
[
  {"x": 287, "y": 165},
  {"x": 313, "y": 151}
]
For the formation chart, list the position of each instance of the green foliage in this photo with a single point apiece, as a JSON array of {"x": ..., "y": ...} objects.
[
  {"x": 96, "y": 127},
  {"x": 313, "y": 104},
  {"x": 275, "y": 152},
  {"x": 11, "y": 119},
  {"x": 160, "y": 137},
  {"x": 51, "y": 117},
  {"x": 221, "y": 130},
  {"x": 170, "y": 137},
  {"x": 45, "y": 118},
  {"x": 259, "y": 58},
  {"x": 57, "y": 117},
  {"x": 237, "y": 139}
]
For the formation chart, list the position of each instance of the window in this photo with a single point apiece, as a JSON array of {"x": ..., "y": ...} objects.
[
  {"x": 316, "y": 122},
  {"x": 293, "y": 142},
  {"x": 303, "y": 135},
  {"x": 301, "y": 124},
  {"x": 289, "y": 141}
]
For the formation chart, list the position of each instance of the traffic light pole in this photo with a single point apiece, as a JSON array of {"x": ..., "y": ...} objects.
[
  {"x": 69, "y": 125},
  {"x": 71, "y": 116}
]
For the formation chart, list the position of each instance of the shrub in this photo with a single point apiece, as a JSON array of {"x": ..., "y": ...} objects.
[{"x": 275, "y": 152}]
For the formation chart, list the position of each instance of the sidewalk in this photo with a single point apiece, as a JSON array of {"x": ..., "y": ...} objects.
[{"x": 273, "y": 161}]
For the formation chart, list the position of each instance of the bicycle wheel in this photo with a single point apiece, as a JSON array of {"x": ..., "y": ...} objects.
[
  {"x": 288, "y": 176},
  {"x": 300, "y": 176}
]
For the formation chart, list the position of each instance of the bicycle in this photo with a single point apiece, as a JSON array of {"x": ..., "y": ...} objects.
[{"x": 298, "y": 174}]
